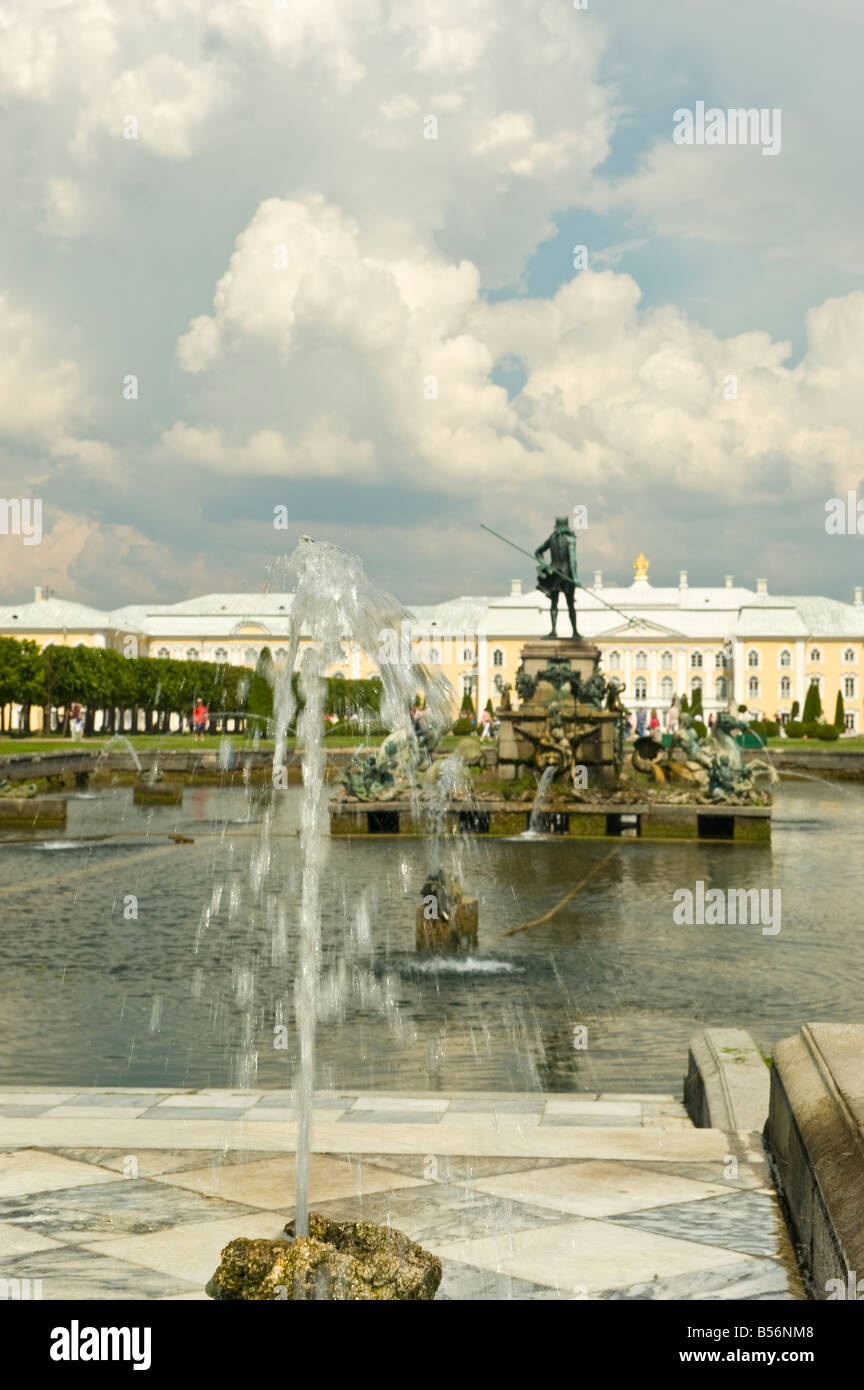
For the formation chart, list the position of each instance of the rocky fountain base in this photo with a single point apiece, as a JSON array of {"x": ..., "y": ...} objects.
[{"x": 339, "y": 1261}]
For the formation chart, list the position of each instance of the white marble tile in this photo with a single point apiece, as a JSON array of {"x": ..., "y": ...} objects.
[
  {"x": 574, "y": 1106},
  {"x": 588, "y": 1254},
  {"x": 597, "y": 1188},
  {"x": 269, "y": 1182},
  {"x": 18, "y": 1240},
  {"x": 191, "y": 1251},
  {"x": 31, "y": 1170}
]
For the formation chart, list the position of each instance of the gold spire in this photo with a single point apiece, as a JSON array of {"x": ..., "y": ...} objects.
[{"x": 640, "y": 565}]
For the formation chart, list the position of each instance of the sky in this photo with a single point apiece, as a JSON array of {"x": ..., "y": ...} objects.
[{"x": 315, "y": 263}]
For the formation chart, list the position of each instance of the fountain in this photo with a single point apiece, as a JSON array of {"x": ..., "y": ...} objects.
[{"x": 319, "y": 1258}]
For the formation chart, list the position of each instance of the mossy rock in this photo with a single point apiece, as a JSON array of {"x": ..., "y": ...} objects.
[{"x": 339, "y": 1261}]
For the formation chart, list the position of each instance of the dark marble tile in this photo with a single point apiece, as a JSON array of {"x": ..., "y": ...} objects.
[
  {"x": 165, "y": 1160},
  {"x": 438, "y": 1215},
  {"x": 509, "y": 1107},
  {"x": 203, "y": 1112},
  {"x": 751, "y": 1173},
  {"x": 134, "y": 1207},
  {"x": 467, "y": 1283},
  {"x": 75, "y": 1274},
  {"x": 753, "y": 1280},
  {"x": 746, "y": 1221},
  {"x": 391, "y": 1117}
]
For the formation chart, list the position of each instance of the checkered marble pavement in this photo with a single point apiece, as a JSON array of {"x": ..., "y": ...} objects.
[{"x": 132, "y": 1194}]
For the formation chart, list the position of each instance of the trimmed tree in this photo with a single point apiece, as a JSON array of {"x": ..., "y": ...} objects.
[
  {"x": 812, "y": 704},
  {"x": 839, "y": 713}
]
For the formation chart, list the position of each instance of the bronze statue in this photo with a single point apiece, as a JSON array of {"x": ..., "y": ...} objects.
[{"x": 559, "y": 574}]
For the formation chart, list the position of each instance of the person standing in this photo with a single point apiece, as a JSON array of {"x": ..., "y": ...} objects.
[
  {"x": 199, "y": 720},
  {"x": 640, "y": 723},
  {"x": 654, "y": 724}
]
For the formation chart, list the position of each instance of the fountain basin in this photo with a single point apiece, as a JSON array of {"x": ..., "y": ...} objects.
[
  {"x": 339, "y": 1261},
  {"x": 158, "y": 794}
]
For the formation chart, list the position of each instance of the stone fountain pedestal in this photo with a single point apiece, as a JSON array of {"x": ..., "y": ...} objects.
[{"x": 596, "y": 751}]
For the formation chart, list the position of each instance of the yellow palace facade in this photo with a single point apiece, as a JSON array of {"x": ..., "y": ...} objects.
[{"x": 741, "y": 646}]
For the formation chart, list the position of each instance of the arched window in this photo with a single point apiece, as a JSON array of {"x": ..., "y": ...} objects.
[
  {"x": 721, "y": 689},
  {"x": 667, "y": 661},
  {"x": 752, "y": 657},
  {"x": 641, "y": 661},
  {"x": 696, "y": 683},
  {"x": 497, "y": 657},
  {"x": 753, "y": 687},
  {"x": 849, "y": 655},
  {"x": 696, "y": 661},
  {"x": 640, "y": 688},
  {"x": 786, "y": 688},
  {"x": 498, "y": 682},
  {"x": 786, "y": 657},
  {"x": 164, "y": 653},
  {"x": 815, "y": 654},
  {"x": 614, "y": 661},
  {"x": 280, "y": 654},
  {"x": 849, "y": 686},
  {"x": 467, "y": 654},
  {"x": 467, "y": 685},
  {"x": 192, "y": 654},
  {"x": 220, "y": 654},
  {"x": 720, "y": 661},
  {"x": 667, "y": 689},
  {"x": 250, "y": 656}
]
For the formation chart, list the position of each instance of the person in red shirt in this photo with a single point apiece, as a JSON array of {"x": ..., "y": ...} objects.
[{"x": 199, "y": 720}]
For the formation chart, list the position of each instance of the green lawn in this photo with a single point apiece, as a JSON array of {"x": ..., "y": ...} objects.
[
  {"x": 840, "y": 745},
  {"x": 56, "y": 744}
]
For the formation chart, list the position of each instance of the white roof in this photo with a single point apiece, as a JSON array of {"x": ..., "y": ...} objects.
[{"x": 55, "y": 614}]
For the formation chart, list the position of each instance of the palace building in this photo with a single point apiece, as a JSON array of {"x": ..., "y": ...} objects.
[{"x": 740, "y": 646}]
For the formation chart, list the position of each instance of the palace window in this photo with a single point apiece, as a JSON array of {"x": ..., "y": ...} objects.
[
  {"x": 467, "y": 685},
  {"x": 815, "y": 654},
  {"x": 498, "y": 682},
  {"x": 667, "y": 688},
  {"x": 614, "y": 661},
  {"x": 721, "y": 690},
  {"x": 192, "y": 654},
  {"x": 640, "y": 688},
  {"x": 250, "y": 656},
  {"x": 220, "y": 654},
  {"x": 280, "y": 654},
  {"x": 696, "y": 683},
  {"x": 849, "y": 683},
  {"x": 752, "y": 657},
  {"x": 850, "y": 719},
  {"x": 641, "y": 662},
  {"x": 467, "y": 654},
  {"x": 696, "y": 660},
  {"x": 849, "y": 655},
  {"x": 786, "y": 688},
  {"x": 720, "y": 661},
  {"x": 667, "y": 661},
  {"x": 753, "y": 687},
  {"x": 497, "y": 657},
  {"x": 786, "y": 657}
]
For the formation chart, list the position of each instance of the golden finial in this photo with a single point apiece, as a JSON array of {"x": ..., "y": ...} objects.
[{"x": 640, "y": 565}]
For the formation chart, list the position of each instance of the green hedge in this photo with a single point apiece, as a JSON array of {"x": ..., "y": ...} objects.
[{"x": 765, "y": 728}]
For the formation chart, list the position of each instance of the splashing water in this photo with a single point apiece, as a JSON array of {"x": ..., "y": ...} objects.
[
  {"x": 333, "y": 601},
  {"x": 535, "y": 823},
  {"x": 120, "y": 738}
]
